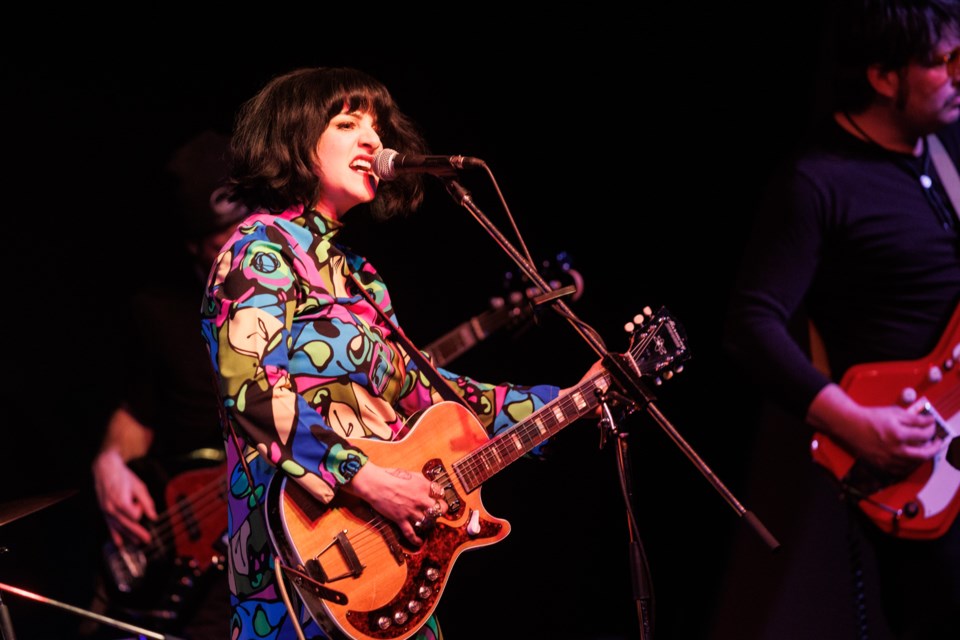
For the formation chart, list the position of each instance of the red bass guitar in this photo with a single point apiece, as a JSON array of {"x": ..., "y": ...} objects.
[{"x": 924, "y": 503}]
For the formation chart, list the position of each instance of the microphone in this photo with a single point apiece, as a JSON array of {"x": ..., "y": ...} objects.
[{"x": 388, "y": 164}]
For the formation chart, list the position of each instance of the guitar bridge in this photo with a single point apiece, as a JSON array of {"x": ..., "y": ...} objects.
[{"x": 354, "y": 566}]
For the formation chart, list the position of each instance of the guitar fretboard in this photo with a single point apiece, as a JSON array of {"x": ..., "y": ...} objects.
[
  {"x": 510, "y": 445},
  {"x": 661, "y": 348}
]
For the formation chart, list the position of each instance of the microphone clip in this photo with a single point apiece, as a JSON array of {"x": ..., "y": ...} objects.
[{"x": 552, "y": 295}]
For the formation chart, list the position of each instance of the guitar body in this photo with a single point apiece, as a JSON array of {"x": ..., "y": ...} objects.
[
  {"x": 198, "y": 526},
  {"x": 160, "y": 583},
  {"x": 393, "y": 587},
  {"x": 924, "y": 503}
]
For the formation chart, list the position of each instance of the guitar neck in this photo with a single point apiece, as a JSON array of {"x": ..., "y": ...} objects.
[
  {"x": 467, "y": 334},
  {"x": 481, "y": 464},
  {"x": 659, "y": 350}
]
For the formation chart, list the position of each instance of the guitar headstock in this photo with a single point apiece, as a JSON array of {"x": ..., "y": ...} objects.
[{"x": 658, "y": 344}]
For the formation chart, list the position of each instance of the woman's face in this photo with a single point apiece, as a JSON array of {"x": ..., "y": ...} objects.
[{"x": 344, "y": 160}]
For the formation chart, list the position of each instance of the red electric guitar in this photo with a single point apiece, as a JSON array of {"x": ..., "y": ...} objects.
[
  {"x": 922, "y": 504},
  {"x": 160, "y": 582}
]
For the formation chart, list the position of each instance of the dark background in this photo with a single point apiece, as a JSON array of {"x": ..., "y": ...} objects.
[{"x": 637, "y": 145}]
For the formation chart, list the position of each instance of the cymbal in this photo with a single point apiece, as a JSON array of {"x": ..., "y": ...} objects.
[{"x": 16, "y": 509}]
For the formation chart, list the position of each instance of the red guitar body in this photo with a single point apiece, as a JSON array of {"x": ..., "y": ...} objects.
[
  {"x": 923, "y": 504},
  {"x": 198, "y": 515}
]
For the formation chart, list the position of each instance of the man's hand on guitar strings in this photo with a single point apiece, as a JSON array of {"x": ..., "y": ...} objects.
[
  {"x": 123, "y": 497},
  {"x": 409, "y": 499},
  {"x": 890, "y": 438}
]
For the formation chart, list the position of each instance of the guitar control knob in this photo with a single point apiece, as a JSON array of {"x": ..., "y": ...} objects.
[
  {"x": 432, "y": 574},
  {"x": 911, "y": 509},
  {"x": 473, "y": 526},
  {"x": 934, "y": 374},
  {"x": 424, "y": 592},
  {"x": 383, "y": 622},
  {"x": 400, "y": 617},
  {"x": 413, "y": 606},
  {"x": 908, "y": 395}
]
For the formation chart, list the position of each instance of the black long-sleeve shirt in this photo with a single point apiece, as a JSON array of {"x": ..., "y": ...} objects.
[{"x": 848, "y": 235}]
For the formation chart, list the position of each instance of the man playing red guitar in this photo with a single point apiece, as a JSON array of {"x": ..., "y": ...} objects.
[
  {"x": 166, "y": 427},
  {"x": 860, "y": 237}
]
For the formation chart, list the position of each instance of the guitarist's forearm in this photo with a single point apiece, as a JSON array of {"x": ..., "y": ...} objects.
[{"x": 830, "y": 410}]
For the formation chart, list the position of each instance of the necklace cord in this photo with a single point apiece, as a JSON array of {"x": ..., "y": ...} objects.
[{"x": 930, "y": 187}]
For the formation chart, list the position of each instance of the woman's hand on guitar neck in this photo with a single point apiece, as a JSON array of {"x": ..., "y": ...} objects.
[
  {"x": 409, "y": 499},
  {"x": 595, "y": 369}
]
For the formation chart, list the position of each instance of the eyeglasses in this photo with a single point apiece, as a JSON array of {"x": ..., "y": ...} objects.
[{"x": 950, "y": 60}]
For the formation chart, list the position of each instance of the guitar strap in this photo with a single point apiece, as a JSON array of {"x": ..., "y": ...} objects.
[
  {"x": 439, "y": 382},
  {"x": 946, "y": 169}
]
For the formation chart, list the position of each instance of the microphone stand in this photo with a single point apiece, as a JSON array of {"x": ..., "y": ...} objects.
[{"x": 625, "y": 374}]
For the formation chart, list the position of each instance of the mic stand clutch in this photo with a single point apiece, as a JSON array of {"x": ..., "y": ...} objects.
[{"x": 624, "y": 375}]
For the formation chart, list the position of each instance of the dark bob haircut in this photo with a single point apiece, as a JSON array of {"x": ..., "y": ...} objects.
[{"x": 276, "y": 132}]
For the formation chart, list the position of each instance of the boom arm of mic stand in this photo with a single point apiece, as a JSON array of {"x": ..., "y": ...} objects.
[{"x": 626, "y": 377}]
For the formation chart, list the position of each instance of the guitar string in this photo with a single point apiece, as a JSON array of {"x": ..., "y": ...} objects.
[{"x": 203, "y": 505}]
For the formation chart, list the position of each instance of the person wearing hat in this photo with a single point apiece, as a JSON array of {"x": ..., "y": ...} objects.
[{"x": 161, "y": 564}]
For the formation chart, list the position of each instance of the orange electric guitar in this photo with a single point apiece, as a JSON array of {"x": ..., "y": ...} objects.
[
  {"x": 922, "y": 504},
  {"x": 352, "y": 567}
]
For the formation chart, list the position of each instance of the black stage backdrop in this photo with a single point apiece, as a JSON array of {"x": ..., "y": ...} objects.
[{"x": 637, "y": 146}]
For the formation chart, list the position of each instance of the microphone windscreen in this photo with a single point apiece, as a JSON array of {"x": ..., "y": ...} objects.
[{"x": 383, "y": 164}]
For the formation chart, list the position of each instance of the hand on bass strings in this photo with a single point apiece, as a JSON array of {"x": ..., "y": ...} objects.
[{"x": 123, "y": 497}]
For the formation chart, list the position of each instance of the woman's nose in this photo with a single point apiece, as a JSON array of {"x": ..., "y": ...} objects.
[{"x": 370, "y": 138}]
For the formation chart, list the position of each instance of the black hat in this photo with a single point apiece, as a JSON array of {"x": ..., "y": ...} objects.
[{"x": 200, "y": 193}]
